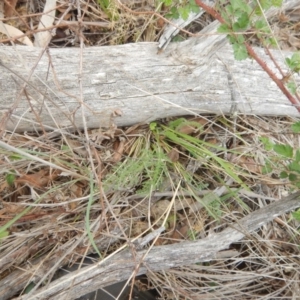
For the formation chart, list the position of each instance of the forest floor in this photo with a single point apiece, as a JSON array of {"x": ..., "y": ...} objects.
[{"x": 182, "y": 178}]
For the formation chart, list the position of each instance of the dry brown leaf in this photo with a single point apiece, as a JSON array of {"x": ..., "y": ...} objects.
[
  {"x": 173, "y": 155},
  {"x": 160, "y": 242},
  {"x": 9, "y": 208},
  {"x": 245, "y": 162},
  {"x": 139, "y": 227},
  {"x": 212, "y": 141},
  {"x": 187, "y": 129},
  {"x": 77, "y": 147},
  {"x": 160, "y": 23},
  {"x": 9, "y": 7},
  {"x": 159, "y": 208},
  {"x": 37, "y": 180},
  {"x": 77, "y": 191},
  {"x": 180, "y": 233},
  {"x": 190, "y": 128},
  {"x": 202, "y": 121},
  {"x": 119, "y": 150}
]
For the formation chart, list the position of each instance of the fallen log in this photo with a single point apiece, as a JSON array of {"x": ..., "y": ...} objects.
[{"x": 72, "y": 87}]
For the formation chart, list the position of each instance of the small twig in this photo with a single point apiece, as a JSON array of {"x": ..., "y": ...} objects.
[
  {"x": 143, "y": 241},
  {"x": 211, "y": 11},
  {"x": 274, "y": 62},
  {"x": 279, "y": 83}
]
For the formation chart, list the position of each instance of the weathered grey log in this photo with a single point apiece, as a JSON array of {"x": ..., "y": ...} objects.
[
  {"x": 122, "y": 265},
  {"x": 133, "y": 79}
]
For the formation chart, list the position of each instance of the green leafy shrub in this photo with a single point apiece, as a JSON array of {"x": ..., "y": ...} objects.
[{"x": 284, "y": 158}]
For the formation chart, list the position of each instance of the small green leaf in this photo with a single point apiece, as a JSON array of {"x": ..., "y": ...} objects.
[
  {"x": 240, "y": 51},
  {"x": 65, "y": 148},
  {"x": 292, "y": 87},
  {"x": 258, "y": 11},
  {"x": 294, "y": 62},
  {"x": 231, "y": 38},
  {"x": 4, "y": 234},
  {"x": 277, "y": 3},
  {"x": 261, "y": 25},
  {"x": 296, "y": 127},
  {"x": 193, "y": 6},
  {"x": 297, "y": 184},
  {"x": 229, "y": 9},
  {"x": 267, "y": 168},
  {"x": 236, "y": 27},
  {"x": 15, "y": 157},
  {"x": 293, "y": 177},
  {"x": 288, "y": 61},
  {"x": 240, "y": 5},
  {"x": 240, "y": 39},
  {"x": 243, "y": 21},
  {"x": 178, "y": 38},
  {"x": 223, "y": 28},
  {"x": 173, "y": 14},
  {"x": 184, "y": 12},
  {"x": 176, "y": 123},
  {"x": 265, "y": 4},
  {"x": 10, "y": 179},
  {"x": 153, "y": 126},
  {"x": 294, "y": 166},
  {"x": 296, "y": 215},
  {"x": 270, "y": 41},
  {"x": 297, "y": 156},
  {"x": 283, "y": 175},
  {"x": 284, "y": 150},
  {"x": 29, "y": 288},
  {"x": 267, "y": 143},
  {"x": 167, "y": 2}
]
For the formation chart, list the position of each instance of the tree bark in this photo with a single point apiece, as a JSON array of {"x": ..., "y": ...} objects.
[{"x": 70, "y": 87}]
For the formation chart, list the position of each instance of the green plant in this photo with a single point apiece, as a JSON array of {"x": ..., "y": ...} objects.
[
  {"x": 144, "y": 171},
  {"x": 10, "y": 178},
  {"x": 241, "y": 20},
  {"x": 108, "y": 7},
  {"x": 150, "y": 166},
  {"x": 241, "y": 17},
  {"x": 284, "y": 158},
  {"x": 204, "y": 152},
  {"x": 197, "y": 148},
  {"x": 294, "y": 64},
  {"x": 180, "y": 8}
]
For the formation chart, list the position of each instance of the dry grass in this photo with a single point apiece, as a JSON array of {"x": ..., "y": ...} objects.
[{"x": 65, "y": 195}]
